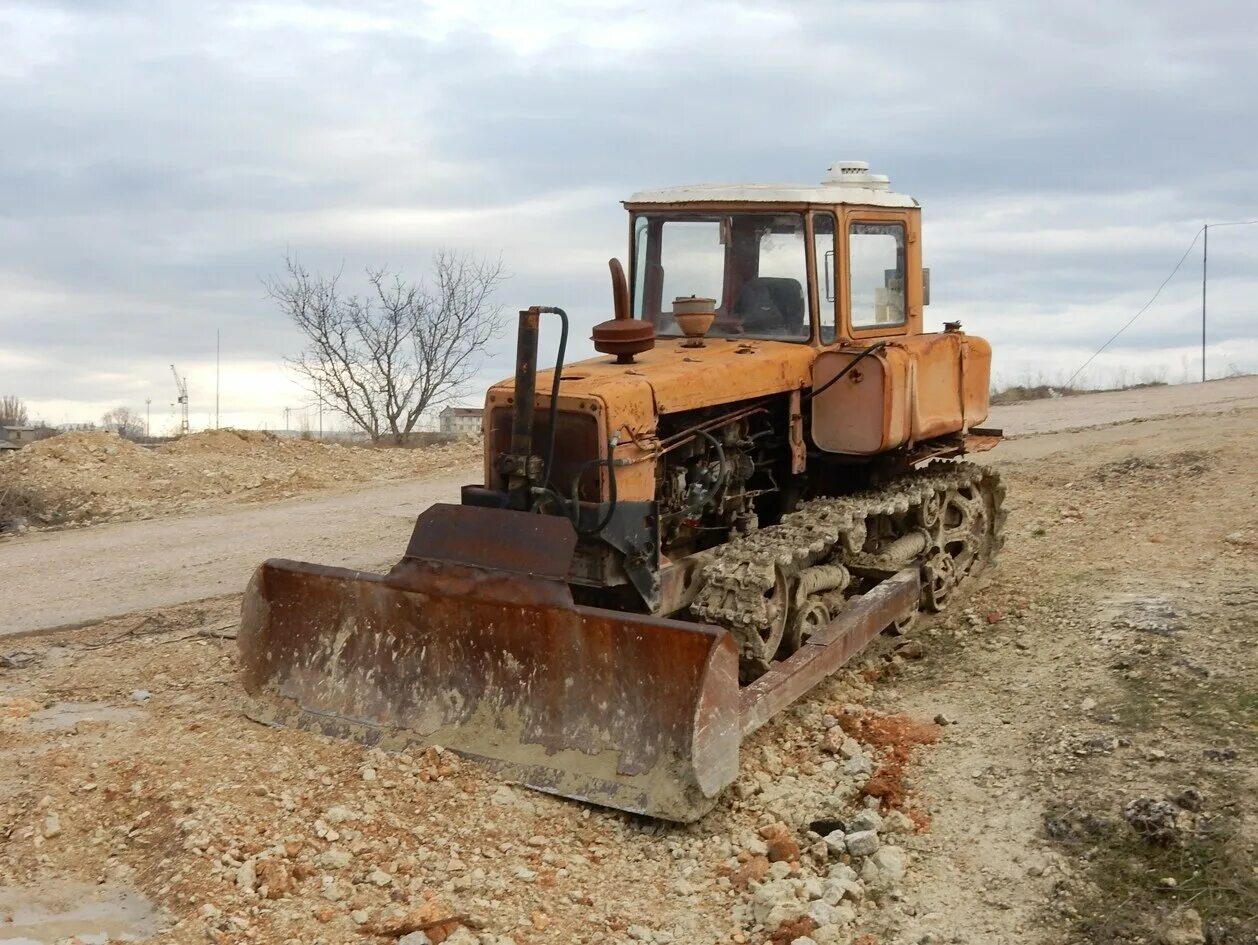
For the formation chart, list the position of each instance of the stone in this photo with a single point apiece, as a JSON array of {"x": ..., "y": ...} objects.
[
  {"x": 865, "y": 820},
  {"x": 51, "y": 827},
  {"x": 836, "y": 843},
  {"x": 804, "y": 940},
  {"x": 754, "y": 870},
  {"x": 862, "y": 843},
  {"x": 247, "y": 876},
  {"x": 338, "y": 815},
  {"x": 891, "y": 862},
  {"x": 822, "y": 912},
  {"x": 775, "y": 902},
  {"x": 1156, "y": 821},
  {"x": 858, "y": 765},
  {"x": 779, "y": 870},
  {"x": 360, "y": 916},
  {"x": 781, "y": 844},
  {"x": 415, "y": 938},
  {"x": 334, "y": 859},
  {"x": 369, "y": 774},
  {"x": 379, "y": 877},
  {"x": 141, "y": 695},
  {"x": 462, "y": 936},
  {"x": 1183, "y": 928},
  {"x": 274, "y": 879},
  {"x": 897, "y": 822}
]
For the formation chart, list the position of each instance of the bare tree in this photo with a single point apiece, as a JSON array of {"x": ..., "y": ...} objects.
[
  {"x": 124, "y": 421},
  {"x": 384, "y": 358},
  {"x": 13, "y": 411}
]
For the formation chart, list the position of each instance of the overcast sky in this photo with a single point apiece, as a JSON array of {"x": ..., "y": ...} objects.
[{"x": 158, "y": 159}]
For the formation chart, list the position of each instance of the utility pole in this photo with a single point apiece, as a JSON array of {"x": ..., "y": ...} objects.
[
  {"x": 218, "y": 358},
  {"x": 1205, "y": 256},
  {"x": 148, "y": 416},
  {"x": 286, "y": 426}
]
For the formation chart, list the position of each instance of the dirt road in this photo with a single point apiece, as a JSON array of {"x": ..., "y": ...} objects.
[
  {"x": 1090, "y": 410},
  {"x": 83, "y": 574}
]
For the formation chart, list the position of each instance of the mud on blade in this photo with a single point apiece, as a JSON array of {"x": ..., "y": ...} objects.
[{"x": 473, "y": 642}]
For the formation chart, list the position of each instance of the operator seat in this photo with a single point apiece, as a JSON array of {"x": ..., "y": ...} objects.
[{"x": 770, "y": 305}]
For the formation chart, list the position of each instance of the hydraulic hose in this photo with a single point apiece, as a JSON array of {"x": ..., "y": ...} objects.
[
  {"x": 611, "y": 495},
  {"x": 850, "y": 364}
]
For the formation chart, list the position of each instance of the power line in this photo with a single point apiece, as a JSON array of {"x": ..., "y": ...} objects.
[
  {"x": 1143, "y": 309},
  {"x": 1205, "y": 229}
]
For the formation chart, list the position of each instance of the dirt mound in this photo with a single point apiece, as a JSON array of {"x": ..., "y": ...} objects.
[
  {"x": 80, "y": 478},
  {"x": 222, "y": 441}
]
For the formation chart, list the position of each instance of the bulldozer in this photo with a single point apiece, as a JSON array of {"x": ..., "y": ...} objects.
[{"x": 758, "y": 474}]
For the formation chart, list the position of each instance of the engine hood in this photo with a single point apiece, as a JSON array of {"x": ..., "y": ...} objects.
[{"x": 671, "y": 378}]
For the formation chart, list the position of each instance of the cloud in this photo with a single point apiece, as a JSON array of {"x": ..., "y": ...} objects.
[{"x": 159, "y": 160}]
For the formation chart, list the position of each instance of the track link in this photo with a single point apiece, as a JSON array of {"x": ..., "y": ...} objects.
[{"x": 772, "y": 587}]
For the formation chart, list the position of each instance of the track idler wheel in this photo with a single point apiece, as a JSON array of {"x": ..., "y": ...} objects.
[
  {"x": 940, "y": 577},
  {"x": 757, "y": 646}
]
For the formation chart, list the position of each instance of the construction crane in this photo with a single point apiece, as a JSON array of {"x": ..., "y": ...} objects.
[{"x": 181, "y": 384}]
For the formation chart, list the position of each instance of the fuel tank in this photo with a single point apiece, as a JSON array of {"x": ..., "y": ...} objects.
[{"x": 917, "y": 388}]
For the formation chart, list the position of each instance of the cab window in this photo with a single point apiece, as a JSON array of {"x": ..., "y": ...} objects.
[
  {"x": 827, "y": 274},
  {"x": 876, "y": 274},
  {"x": 754, "y": 265}
]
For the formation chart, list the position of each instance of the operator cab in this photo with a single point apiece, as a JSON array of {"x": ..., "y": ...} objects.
[{"x": 769, "y": 255}]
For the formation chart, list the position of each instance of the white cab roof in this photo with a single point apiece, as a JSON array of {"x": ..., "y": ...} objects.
[{"x": 847, "y": 182}]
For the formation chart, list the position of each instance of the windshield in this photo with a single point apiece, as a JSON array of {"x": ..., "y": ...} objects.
[{"x": 753, "y": 264}]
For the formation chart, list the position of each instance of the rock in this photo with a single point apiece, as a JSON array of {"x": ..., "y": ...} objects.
[
  {"x": 754, "y": 870},
  {"x": 338, "y": 815},
  {"x": 639, "y": 933},
  {"x": 891, "y": 862},
  {"x": 897, "y": 822},
  {"x": 1155, "y": 821},
  {"x": 334, "y": 859},
  {"x": 779, "y": 870},
  {"x": 141, "y": 695},
  {"x": 836, "y": 843},
  {"x": 414, "y": 938},
  {"x": 462, "y": 936},
  {"x": 1183, "y": 928},
  {"x": 369, "y": 774},
  {"x": 942, "y": 719},
  {"x": 804, "y": 940},
  {"x": 51, "y": 827},
  {"x": 247, "y": 876},
  {"x": 274, "y": 879},
  {"x": 912, "y": 650},
  {"x": 1190, "y": 799},
  {"x": 862, "y": 843},
  {"x": 867, "y": 819},
  {"x": 379, "y": 877},
  {"x": 360, "y": 916},
  {"x": 822, "y": 912},
  {"x": 782, "y": 845},
  {"x": 858, "y": 765},
  {"x": 775, "y": 902}
]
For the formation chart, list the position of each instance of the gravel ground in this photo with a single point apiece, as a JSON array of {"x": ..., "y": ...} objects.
[{"x": 1076, "y": 739}]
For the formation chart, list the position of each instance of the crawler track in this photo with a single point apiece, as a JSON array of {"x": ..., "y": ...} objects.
[{"x": 771, "y": 588}]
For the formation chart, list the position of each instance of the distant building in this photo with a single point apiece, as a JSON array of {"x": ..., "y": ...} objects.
[
  {"x": 461, "y": 420},
  {"x": 14, "y": 438}
]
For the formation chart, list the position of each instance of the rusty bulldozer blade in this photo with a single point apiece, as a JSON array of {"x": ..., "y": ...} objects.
[{"x": 473, "y": 642}]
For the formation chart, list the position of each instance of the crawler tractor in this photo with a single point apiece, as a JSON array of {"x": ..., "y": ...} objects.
[{"x": 676, "y": 539}]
